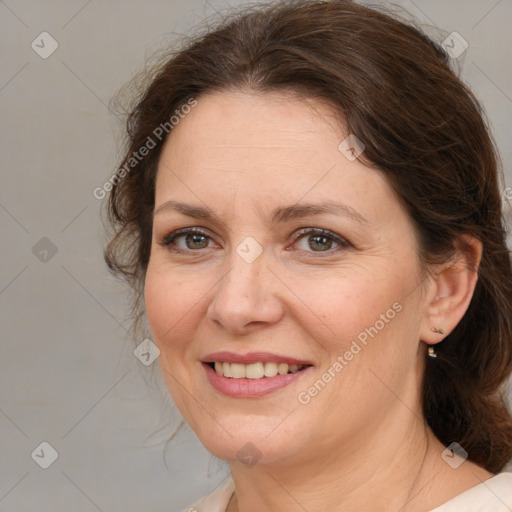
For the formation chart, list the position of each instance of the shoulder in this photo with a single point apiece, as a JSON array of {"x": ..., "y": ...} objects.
[
  {"x": 217, "y": 501},
  {"x": 492, "y": 495}
]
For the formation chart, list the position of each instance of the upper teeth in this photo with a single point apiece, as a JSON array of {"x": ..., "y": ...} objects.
[{"x": 255, "y": 370}]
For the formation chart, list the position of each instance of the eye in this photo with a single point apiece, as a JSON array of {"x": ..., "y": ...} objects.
[
  {"x": 308, "y": 240},
  {"x": 186, "y": 239},
  {"x": 319, "y": 240}
]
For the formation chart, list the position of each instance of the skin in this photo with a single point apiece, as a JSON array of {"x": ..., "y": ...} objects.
[{"x": 361, "y": 443}]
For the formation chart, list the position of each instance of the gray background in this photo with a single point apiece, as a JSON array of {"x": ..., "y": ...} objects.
[{"x": 67, "y": 372}]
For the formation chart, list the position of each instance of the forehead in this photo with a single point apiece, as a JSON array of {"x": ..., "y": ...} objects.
[
  {"x": 234, "y": 123},
  {"x": 263, "y": 147}
]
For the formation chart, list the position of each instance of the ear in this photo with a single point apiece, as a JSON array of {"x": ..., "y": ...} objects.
[{"x": 452, "y": 287}]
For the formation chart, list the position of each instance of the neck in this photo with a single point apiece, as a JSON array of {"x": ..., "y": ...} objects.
[{"x": 391, "y": 469}]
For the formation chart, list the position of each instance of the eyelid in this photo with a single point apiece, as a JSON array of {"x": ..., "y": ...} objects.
[
  {"x": 167, "y": 240},
  {"x": 341, "y": 241}
]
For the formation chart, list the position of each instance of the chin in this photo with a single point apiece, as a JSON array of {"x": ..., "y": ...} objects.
[{"x": 251, "y": 441}]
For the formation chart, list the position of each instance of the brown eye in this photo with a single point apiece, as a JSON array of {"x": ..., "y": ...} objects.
[
  {"x": 195, "y": 241},
  {"x": 319, "y": 243},
  {"x": 319, "y": 240},
  {"x": 186, "y": 240}
]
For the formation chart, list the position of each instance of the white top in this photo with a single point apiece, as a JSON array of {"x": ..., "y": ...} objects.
[{"x": 493, "y": 495}]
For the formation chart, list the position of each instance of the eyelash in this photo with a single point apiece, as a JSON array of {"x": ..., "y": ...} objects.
[{"x": 168, "y": 240}]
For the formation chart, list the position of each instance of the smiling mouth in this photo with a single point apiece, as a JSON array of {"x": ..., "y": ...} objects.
[{"x": 258, "y": 370}]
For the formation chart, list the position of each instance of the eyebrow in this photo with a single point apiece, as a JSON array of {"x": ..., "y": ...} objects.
[
  {"x": 281, "y": 214},
  {"x": 298, "y": 211}
]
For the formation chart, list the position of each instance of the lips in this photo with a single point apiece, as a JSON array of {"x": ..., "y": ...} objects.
[
  {"x": 253, "y": 357},
  {"x": 252, "y": 375}
]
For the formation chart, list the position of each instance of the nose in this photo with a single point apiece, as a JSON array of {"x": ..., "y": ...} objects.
[{"x": 246, "y": 298}]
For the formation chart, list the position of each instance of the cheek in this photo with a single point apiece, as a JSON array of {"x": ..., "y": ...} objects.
[
  {"x": 170, "y": 312},
  {"x": 157, "y": 303},
  {"x": 345, "y": 305},
  {"x": 169, "y": 305},
  {"x": 363, "y": 315}
]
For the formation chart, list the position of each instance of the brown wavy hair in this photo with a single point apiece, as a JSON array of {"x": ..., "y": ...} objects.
[{"x": 394, "y": 88}]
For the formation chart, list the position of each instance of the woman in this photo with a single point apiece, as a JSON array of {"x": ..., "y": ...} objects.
[{"x": 309, "y": 213}]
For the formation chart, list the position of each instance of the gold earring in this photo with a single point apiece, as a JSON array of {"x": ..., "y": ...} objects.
[
  {"x": 437, "y": 330},
  {"x": 431, "y": 352}
]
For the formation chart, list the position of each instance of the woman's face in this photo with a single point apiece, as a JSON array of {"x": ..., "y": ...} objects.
[{"x": 297, "y": 254}]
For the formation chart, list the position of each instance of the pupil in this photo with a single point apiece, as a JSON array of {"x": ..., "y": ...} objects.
[
  {"x": 319, "y": 242},
  {"x": 196, "y": 241}
]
